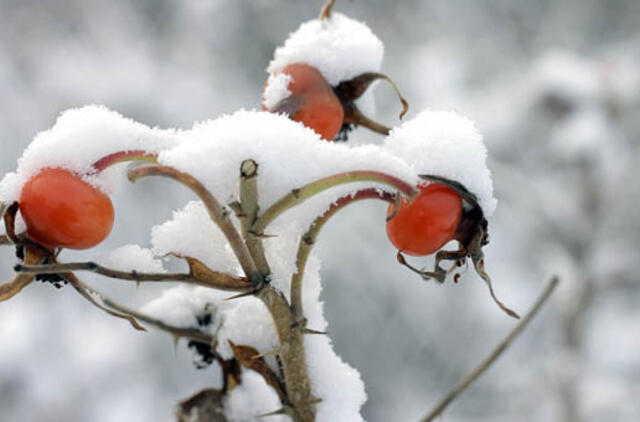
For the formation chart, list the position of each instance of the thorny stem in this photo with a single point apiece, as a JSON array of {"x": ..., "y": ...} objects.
[
  {"x": 177, "y": 332},
  {"x": 297, "y": 196},
  {"x": 249, "y": 213},
  {"x": 309, "y": 238},
  {"x": 224, "y": 281},
  {"x": 495, "y": 354},
  {"x": 291, "y": 353},
  {"x": 97, "y": 299},
  {"x": 325, "y": 13},
  {"x": 216, "y": 212},
  {"x": 124, "y": 156}
]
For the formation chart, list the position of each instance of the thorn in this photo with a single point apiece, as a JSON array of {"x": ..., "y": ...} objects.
[
  {"x": 316, "y": 400},
  {"x": 262, "y": 235},
  {"x": 310, "y": 331},
  {"x": 241, "y": 295},
  {"x": 236, "y": 207},
  {"x": 281, "y": 411},
  {"x": 176, "y": 339},
  {"x": 272, "y": 352}
]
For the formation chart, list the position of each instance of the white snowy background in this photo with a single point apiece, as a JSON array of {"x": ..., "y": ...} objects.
[{"x": 553, "y": 85}]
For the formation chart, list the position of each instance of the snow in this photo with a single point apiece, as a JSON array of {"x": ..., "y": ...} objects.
[
  {"x": 276, "y": 90},
  {"x": 191, "y": 233},
  {"x": 79, "y": 138},
  {"x": 444, "y": 143},
  {"x": 339, "y": 47},
  {"x": 289, "y": 156},
  {"x": 132, "y": 258},
  {"x": 253, "y": 397}
]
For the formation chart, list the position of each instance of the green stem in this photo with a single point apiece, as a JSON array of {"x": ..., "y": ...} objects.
[
  {"x": 124, "y": 156},
  {"x": 297, "y": 196},
  {"x": 309, "y": 238},
  {"x": 249, "y": 213}
]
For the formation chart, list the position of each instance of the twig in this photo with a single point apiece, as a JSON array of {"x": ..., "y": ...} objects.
[
  {"x": 124, "y": 156},
  {"x": 308, "y": 239},
  {"x": 249, "y": 212},
  {"x": 215, "y": 210},
  {"x": 480, "y": 369},
  {"x": 97, "y": 299},
  {"x": 222, "y": 281},
  {"x": 297, "y": 196},
  {"x": 190, "y": 333},
  {"x": 325, "y": 13}
]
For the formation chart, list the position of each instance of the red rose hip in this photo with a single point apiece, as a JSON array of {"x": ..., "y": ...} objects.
[
  {"x": 425, "y": 224},
  {"x": 62, "y": 210}
]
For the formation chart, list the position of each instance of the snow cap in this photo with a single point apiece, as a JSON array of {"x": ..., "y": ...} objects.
[
  {"x": 338, "y": 46},
  {"x": 446, "y": 144}
]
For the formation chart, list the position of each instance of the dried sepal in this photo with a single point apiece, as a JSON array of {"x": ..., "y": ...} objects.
[
  {"x": 32, "y": 256},
  {"x": 349, "y": 91}
]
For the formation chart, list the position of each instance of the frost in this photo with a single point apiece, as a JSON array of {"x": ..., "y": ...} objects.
[
  {"x": 339, "y": 47},
  {"x": 444, "y": 143},
  {"x": 132, "y": 258},
  {"x": 276, "y": 89}
]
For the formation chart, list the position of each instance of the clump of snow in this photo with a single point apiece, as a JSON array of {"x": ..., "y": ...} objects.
[
  {"x": 78, "y": 139},
  {"x": 191, "y": 233},
  {"x": 339, "y": 47},
  {"x": 132, "y": 258},
  {"x": 253, "y": 397},
  {"x": 444, "y": 143},
  {"x": 184, "y": 306},
  {"x": 277, "y": 89},
  {"x": 244, "y": 321}
]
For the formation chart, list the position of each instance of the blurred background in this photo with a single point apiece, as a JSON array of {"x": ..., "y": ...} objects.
[{"x": 554, "y": 85}]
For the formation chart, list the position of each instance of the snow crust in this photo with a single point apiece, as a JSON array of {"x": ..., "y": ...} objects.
[
  {"x": 339, "y": 47},
  {"x": 446, "y": 144},
  {"x": 132, "y": 258},
  {"x": 277, "y": 89}
]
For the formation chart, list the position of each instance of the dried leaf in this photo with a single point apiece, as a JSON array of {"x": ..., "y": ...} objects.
[{"x": 246, "y": 357}]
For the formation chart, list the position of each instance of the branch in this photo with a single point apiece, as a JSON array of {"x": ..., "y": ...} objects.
[
  {"x": 309, "y": 238},
  {"x": 216, "y": 280},
  {"x": 124, "y": 156},
  {"x": 297, "y": 196},
  {"x": 217, "y": 213},
  {"x": 495, "y": 354},
  {"x": 249, "y": 212},
  {"x": 291, "y": 353}
]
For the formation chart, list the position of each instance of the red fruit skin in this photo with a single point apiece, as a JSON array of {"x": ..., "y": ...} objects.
[
  {"x": 62, "y": 210},
  {"x": 424, "y": 225},
  {"x": 317, "y": 106}
]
